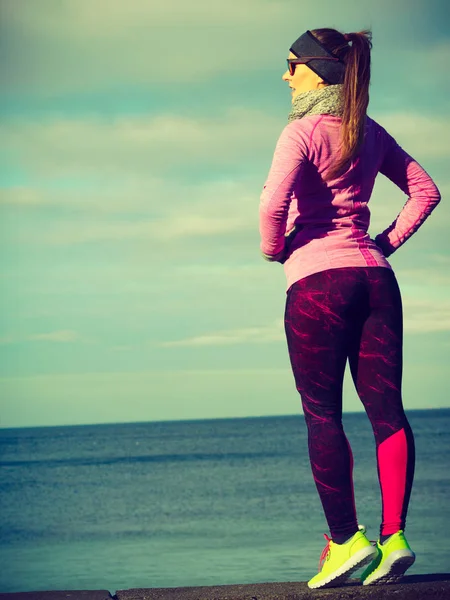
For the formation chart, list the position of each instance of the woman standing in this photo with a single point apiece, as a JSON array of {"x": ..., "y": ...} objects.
[{"x": 343, "y": 300}]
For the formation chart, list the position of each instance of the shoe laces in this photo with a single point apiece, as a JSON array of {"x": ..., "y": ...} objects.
[{"x": 325, "y": 551}]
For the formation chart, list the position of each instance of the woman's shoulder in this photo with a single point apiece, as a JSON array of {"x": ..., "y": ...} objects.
[
  {"x": 303, "y": 128},
  {"x": 315, "y": 128},
  {"x": 376, "y": 127}
]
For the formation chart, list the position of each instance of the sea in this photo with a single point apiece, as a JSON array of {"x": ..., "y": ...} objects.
[{"x": 195, "y": 503}]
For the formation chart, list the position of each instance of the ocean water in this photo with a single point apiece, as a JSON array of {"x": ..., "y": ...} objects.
[{"x": 194, "y": 503}]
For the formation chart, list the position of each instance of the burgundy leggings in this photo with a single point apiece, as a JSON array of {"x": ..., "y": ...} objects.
[{"x": 353, "y": 312}]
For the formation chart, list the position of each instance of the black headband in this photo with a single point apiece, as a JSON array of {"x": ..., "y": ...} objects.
[{"x": 308, "y": 45}]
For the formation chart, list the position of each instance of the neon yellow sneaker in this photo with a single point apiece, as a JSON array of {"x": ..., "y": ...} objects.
[
  {"x": 339, "y": 561},
  {"x": 394, "y": 558}
]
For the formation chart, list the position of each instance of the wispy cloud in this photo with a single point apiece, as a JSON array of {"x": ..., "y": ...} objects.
[
  {"x": 162, "y": 231},
  {"x": 61, "y": 336},
  {"x": 145, "y": 147},
  {"x": 420, "y": 316},
  {"x": 64, "y": 335},
  {"x": 442, "y": 259},
  {"x": 426, "y": 316},
  {"x": 98, "y": 148},
  {"x": 435, "y": 280},
  {"x": 112, "y": 169},
  {"x": 247, "y": 335},
  {"x": 424, "y": 135},
  {"x": 210, "y": 209}
]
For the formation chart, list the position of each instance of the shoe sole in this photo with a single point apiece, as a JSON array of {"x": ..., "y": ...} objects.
[
  {"x": 392, "y": 569},
  {"x": 355, "y": 562}
]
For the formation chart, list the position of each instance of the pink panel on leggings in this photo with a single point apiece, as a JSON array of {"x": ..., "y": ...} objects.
[{"x": 392, "y": 459}]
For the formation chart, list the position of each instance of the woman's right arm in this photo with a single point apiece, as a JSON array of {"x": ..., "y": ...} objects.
[
  {"x": 290, "y": 157},
  {"x": 423, "y": 195}
]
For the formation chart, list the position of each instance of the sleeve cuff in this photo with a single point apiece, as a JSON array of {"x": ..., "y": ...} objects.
[{"x": 273, "y": 257}]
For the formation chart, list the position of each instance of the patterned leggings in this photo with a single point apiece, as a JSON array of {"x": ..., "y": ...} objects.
[{"x": 353, "y": 312}]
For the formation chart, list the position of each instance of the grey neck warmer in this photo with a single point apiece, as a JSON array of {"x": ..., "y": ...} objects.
[{"x": 327, "y": 100}]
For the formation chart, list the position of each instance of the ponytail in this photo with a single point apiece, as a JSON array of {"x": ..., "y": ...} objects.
[{"x": 355, "y": 91}]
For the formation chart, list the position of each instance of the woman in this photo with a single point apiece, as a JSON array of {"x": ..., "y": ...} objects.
[{"x": 343, "y": 300}]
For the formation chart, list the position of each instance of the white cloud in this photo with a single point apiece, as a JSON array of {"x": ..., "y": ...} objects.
[
  {"x": 431, "y": 278},
  {"x": 60, "y": 336},
  {"x": 251, "y": 335},
  {"x": 64, "y": 335},
  {"x": 151, "y": 213},
  {"x": 119, "y": 168},
  {"x": 426, "y": 316},
  {"x": 424, "y": 136},
  {"x": 442, "y": 259},
  {"x": 420, "y": 316},
  {"x": 99, "y": 149},
  {"x": 164, "y": 230}
]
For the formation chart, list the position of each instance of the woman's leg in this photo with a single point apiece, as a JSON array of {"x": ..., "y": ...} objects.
[
  {"x": 376, "y": 365},
  {"x": 320, "y": 320}
]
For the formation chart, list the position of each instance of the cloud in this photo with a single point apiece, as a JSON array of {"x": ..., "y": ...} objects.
[
  {"x": 420, "y": 316},
  {"x": 426, "y": 316},
  {"x": 64, "y": 335},
  {"x": 431, "y": 278},
  {"x": 61, "y": 336},
  {"x": 97, "y": 149},
  {"x": 94, "y": 150},
  {"x": 120, "y": 169},
  {"x": 442, "y": 259},
  {"x": 59, "y": 47},
  {"x": 250, "y": 335},
  {"x": 154, "y": 214},
  {"x": 427, "y": 136},
  {"x": 161, "y": 231}
]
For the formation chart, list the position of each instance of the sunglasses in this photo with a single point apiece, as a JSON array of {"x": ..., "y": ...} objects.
[{"x": 291, "y": 62}]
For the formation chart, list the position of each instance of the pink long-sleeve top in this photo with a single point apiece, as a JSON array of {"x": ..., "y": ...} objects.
[{"x": 333, "y": 218}]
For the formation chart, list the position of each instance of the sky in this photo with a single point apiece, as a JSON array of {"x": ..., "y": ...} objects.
[{"x": 136, "y": 138}]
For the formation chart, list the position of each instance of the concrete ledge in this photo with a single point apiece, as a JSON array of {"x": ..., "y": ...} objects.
[
  {"x": 413, "y": 587},
  {"x": 59, "y": 595}
]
